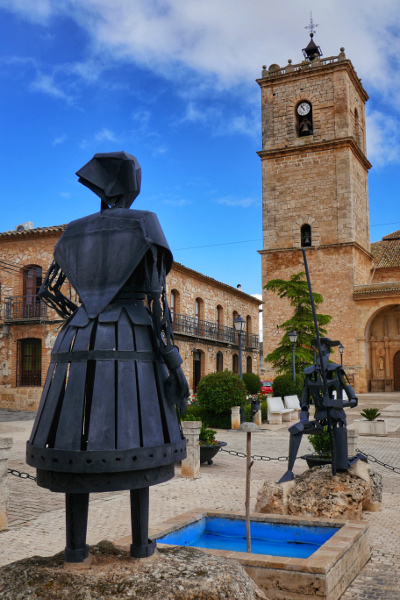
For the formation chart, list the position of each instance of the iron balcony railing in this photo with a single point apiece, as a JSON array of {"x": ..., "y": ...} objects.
[
  {"x": 24, "y": 308},
  {"x": 212, "y": 331}
]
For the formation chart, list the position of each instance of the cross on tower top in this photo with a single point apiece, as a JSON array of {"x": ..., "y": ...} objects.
[{"x": 312, "y": 26}]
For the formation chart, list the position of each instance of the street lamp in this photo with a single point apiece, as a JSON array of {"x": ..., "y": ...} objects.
[
  {"x": 341, "y": 350},
  {"x": 238, "y": 323},
  {"x": 293, "y": 339}
]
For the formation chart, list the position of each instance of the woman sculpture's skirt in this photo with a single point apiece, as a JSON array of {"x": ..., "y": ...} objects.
[{"x": 104, "y": 422}]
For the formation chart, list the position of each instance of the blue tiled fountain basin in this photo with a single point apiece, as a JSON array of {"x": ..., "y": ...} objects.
[{"x": 276, "y": 539}]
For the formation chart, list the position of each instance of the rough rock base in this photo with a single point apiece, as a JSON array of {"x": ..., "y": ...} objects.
[
  {"x": 176, "y": 574},
  {"x": 316, "y": 493}
]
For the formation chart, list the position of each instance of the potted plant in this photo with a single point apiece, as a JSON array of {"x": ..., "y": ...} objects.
[
  {"x": 321, "y": 444},
  {"x": 370, "y": 424},
  {"x": 209, "y": 446}
]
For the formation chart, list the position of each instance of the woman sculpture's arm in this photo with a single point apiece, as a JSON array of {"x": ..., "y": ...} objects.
[
  {"x": 50, "y": 292},
  {"x": 176, "y": 387}
]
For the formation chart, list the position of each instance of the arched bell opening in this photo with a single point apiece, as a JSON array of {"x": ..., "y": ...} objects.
[{"x": 305, "y": 235}]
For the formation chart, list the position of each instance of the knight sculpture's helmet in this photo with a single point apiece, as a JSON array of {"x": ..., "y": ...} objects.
[
  {"x": 114, "y": 176},
  {"x": 326, "y": 345}
]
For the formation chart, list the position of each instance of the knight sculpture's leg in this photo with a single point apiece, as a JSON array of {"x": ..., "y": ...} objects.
[
  {"x": 76, "y": 509},
  {"x": 294, "y": 444},
  {"x": 141, "y": 545},
  {"x": 340, "y": 438}
]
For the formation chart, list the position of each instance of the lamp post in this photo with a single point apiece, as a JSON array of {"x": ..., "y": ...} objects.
[
  {"x": 293, "y": 339},
  {"x": 238, "y": 324},
  {"x": 341, "y": 350}
]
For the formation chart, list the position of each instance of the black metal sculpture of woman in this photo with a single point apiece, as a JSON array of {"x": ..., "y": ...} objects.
[{"x": 107, "y": 419}]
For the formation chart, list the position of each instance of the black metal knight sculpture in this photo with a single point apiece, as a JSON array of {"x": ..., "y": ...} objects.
[
  {"x": 324, "y": 384},
  {"x": 107, "y": 417}
]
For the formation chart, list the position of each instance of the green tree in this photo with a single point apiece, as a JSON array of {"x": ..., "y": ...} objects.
[{"x": 302, "y": 322}]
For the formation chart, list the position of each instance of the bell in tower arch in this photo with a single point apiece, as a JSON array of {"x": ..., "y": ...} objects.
[{"x": 305, "y": 127}]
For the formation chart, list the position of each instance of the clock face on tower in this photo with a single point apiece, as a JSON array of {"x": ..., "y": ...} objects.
[{"x": 303, "y": 108}]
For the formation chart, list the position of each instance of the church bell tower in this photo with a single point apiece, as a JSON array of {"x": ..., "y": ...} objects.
[{"x": 315, "y": 187}]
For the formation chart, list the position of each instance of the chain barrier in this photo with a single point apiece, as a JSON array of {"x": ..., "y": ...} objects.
[
  {"x": 285, "y": 458},
  {"x": 243, "y": 455},
  {"x": 255, "y": 456},
  {"x": 379, "y": 462},
  {"x": 21, "y": 475}
]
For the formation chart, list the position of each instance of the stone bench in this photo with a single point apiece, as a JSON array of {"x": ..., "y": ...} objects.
[
  {"x": 294, "y": 403},
  {"x": 277, "y": 412}
]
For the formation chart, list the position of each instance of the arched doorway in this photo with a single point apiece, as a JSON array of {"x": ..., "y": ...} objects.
[
  {"x": 396, "y": 372},
  {"x": 383, "y": 349}
]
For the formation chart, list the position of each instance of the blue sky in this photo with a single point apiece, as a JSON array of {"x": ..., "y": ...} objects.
[{"x": 173, "y": 82}]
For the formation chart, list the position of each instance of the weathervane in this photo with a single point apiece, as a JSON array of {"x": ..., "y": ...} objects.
[{"x": 312, "y": 26}]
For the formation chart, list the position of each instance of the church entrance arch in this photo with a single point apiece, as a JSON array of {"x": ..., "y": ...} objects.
[
  {"x": 383, "y": 337},
  {"x": 396, "y": 372}
]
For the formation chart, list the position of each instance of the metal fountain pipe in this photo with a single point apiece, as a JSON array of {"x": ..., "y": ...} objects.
[{"x": 323, "y": 375}]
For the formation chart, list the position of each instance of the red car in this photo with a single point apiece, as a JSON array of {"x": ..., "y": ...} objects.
[{"x": 266, "y": 387}]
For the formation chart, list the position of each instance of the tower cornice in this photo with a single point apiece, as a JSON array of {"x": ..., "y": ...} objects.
[
  {"x": 311, "y": 69},
  {"x": 346, "y": 142},
  {"x": 313, "y": 248}
]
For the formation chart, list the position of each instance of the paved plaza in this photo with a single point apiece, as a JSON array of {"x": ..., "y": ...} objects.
[{"x": 36, "y": 516}]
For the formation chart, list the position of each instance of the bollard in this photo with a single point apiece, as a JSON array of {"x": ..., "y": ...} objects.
[
  {"x": 191, "y": 464},
  {"x": 257, "y": 418},
  {"x": 256, "y": 410},
  {"x": 235, "y": 417},
  {"x": 352, "y": 441},
  {"x": 5, "y": 447}
]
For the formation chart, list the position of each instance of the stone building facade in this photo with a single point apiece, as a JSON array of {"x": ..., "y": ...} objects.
[
  {"x": 203, "y": 310},
  {"x": 315, "y": 195}
]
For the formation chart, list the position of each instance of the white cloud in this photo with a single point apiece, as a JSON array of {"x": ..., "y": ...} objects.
[
  {"x": 60, "y": 140},
  {"x": 37, "y": 11},
  {"x": 241, "y": 202},
  {"x": 229, "y": 41},
  {"x": 45, "y": 84},
  {"x": 221, "y": 46},
  {"x": 177, "y": 202},
  {"x": 383, "y": 138},
  {"x": 105, "y": 134}
]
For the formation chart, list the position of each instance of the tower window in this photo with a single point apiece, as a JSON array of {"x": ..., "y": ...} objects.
[
  {"x": 305, "y": 234},
  {"x": 304, "y": 119}
]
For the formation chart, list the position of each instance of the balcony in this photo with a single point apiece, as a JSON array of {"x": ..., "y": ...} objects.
[
  {"x": 209, "y": 330},
  {"x": 24, "y": 308}
]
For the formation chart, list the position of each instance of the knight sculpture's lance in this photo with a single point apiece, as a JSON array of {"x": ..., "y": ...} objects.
[
  {"x": 326, "y": 385},
  {"x": 107, "y": 419}
]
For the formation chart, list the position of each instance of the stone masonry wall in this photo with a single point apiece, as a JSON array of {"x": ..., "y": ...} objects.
[{"x": 327, "y": 268}]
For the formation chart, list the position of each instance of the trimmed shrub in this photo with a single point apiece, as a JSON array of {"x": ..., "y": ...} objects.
[
  {"x": 218, "y": 392},
  {"x": 284, "y": 385},
  {"x": 252, "y": 383}
]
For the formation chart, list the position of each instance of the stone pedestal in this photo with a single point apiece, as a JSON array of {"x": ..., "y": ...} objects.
[
  {"x": 257, "y": 419},
  {"x": 364, "y": 427},
  {"x": 352, "y": 441},
  {"x": 235, "y": 417},
  {"x": 191, "y": 464},
  {"x": 5, "y": 447}
]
